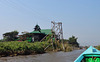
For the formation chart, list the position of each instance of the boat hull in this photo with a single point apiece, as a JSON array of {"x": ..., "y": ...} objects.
[{"x": 90, "y": 55}]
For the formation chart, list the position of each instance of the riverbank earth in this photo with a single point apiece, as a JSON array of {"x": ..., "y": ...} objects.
[{"x": 46, "y": 57}]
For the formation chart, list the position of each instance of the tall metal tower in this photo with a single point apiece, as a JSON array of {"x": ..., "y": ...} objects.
[{"x": 58, "y": 30}]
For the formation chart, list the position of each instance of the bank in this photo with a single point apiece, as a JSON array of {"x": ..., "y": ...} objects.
[{"x": 14, "y": 48}]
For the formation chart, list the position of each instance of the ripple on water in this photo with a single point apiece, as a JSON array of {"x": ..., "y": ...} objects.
[{"x": 47, "y": 57}]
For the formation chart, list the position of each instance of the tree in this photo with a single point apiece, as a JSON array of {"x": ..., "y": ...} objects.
[
  {"x": 72, "y": 40},
  {"x": 37, "y": 28},
  {"x": 10, "y": 36}
]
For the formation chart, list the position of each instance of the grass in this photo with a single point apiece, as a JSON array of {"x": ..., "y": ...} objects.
[
  {"x": 98, "y": 47},
  {"x": 14, "y": 48}
]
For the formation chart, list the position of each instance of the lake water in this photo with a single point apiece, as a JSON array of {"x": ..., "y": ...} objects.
[{"x": 47, "y": 57}]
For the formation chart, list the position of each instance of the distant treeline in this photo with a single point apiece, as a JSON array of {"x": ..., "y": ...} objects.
[
  {"x": 13, "y": 36},
  {"x": 10, "y": 46}
]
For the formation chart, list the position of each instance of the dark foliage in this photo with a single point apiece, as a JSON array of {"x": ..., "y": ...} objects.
[
  {"x": 72, "y": 40},
  {"x": 37, "y": 28},
  {"x": 10, "y": 36}
]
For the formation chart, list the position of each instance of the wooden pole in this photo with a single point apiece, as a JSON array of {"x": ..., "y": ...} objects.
[{"x": 62, "y": 37}]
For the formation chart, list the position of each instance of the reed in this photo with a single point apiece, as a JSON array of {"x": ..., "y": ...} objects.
[
  {"x": 14, "y": 48},
  {"x": 98, "y": 47}
]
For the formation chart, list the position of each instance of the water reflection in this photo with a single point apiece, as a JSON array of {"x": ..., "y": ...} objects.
[{"x": 47, "y": 57}]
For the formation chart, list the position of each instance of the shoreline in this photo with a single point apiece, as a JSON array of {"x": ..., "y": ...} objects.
[
  {"x": 15, "y": 55},
  {"x": 45, "y": 57},
  {"x": 15, "y": 48}
]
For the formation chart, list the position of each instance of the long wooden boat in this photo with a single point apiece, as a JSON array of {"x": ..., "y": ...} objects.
[{"x": 90, "y": 55}]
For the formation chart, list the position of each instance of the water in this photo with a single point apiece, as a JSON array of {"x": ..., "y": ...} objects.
[{"x": 47, "y": 57}]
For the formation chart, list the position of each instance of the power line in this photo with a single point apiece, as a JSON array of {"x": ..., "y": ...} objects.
[
  {"x": 23, "y": 6},
  {"x": 34, "y": 11},
  {"x": 10, "y": 5},
  {"x": 20, "y": 5}
]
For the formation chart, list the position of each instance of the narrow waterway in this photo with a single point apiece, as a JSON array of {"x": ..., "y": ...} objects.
[{"x": 47, "y": 57}]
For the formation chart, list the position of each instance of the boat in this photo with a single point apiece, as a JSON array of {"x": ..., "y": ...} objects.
[{"x": 90, "y": 55}]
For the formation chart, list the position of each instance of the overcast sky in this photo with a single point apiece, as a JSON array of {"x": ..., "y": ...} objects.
[{"x": 80, "y": 18}]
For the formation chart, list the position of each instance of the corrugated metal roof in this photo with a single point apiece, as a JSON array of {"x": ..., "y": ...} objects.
[{"x": 45, "y": 31}]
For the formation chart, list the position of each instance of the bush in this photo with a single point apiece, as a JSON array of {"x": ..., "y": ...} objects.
[
  {"x": 21, "y": 48},
  {"x": 98, "y": 47}
]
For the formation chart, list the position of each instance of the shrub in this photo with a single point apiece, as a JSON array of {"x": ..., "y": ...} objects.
[{"x": 15, "y": 47}]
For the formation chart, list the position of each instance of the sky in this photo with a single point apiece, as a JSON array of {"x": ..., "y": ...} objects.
[{"x": 80, "y": 18}]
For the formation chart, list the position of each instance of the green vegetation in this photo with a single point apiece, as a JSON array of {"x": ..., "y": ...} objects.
[
  {"x": 10, "y": 36},
  {"x": 73, "y": 41},
  {"x": 21, "y": 48},
  {"x": 14, "y": 48},
  {"x": 98, "y": 47},
  {"x": 68, "y": 47},
  {"x": 12, "y": 44}
]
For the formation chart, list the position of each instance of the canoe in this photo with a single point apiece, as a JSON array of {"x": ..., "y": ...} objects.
[{"x": 90, "y": 55}]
